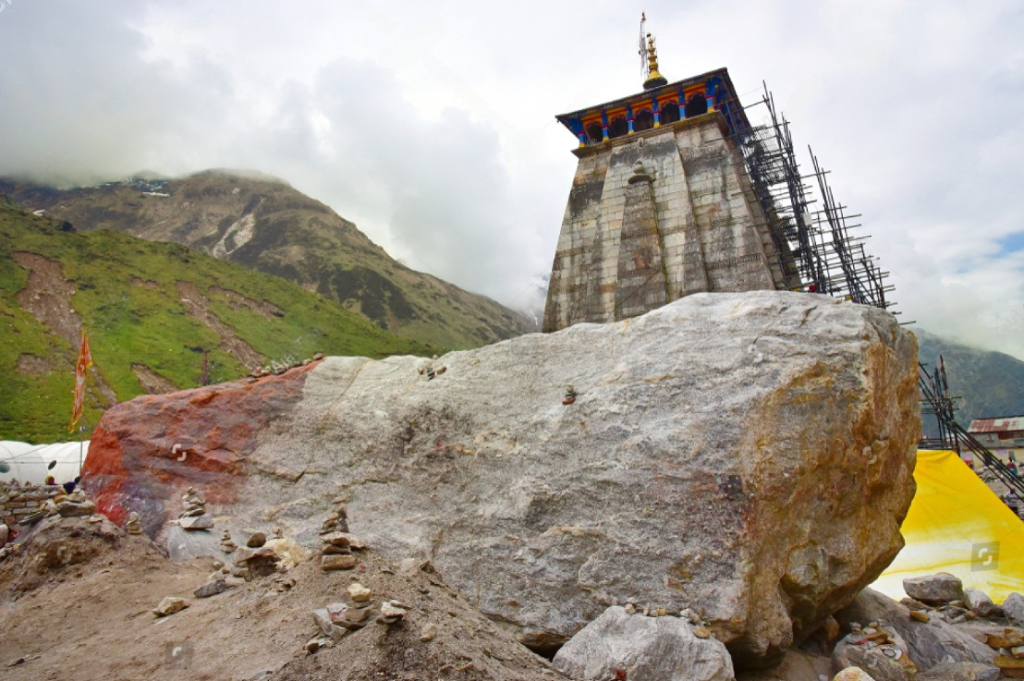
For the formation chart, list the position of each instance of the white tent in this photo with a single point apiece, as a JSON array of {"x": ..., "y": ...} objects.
[{"x": 32, "y": 463}]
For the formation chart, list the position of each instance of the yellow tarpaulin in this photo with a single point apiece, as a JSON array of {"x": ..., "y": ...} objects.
[{"x": 956, "y": 524}]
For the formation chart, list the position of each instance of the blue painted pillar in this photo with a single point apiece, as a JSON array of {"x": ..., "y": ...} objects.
[{"x": 629, "y": 118}]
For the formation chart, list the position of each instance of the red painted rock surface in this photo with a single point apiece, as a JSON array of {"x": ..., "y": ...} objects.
[{"x": 144, "y": 452}]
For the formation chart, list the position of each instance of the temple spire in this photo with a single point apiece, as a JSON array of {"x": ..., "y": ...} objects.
[{"x": 649, "y": 58}]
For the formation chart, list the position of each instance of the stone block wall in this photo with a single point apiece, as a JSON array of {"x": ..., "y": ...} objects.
[
  {"x": 698, "y": 213},
  {"x": 18, "y": 501}
]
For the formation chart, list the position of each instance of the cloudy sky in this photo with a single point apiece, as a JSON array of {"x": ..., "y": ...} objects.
[{"x": 430, "y": 124}]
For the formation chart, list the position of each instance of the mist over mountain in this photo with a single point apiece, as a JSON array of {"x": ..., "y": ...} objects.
[{"x": 263, "y": 223}]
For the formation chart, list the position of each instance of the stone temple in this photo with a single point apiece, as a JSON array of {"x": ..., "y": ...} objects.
[{"x": 661, "y": 205}]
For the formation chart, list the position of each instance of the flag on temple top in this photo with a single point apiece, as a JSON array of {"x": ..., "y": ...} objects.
[{"x": 84, "y": 362}]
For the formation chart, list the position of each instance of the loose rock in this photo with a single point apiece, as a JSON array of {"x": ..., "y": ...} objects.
[
  {"x": 337, "y": 562},
  {"x": 1013, "y": 607},
  {"x": 937, "y": 589},
  {"x": 256, "y": 540},
  {"x": 853, "y": 674},
  {"x": 212, "y": 588},
  {"x": 359, "y": 593},
  {"x": 196, "y": 522},
  {"x": 643, "y": 649},
  {"x": 169, "y": 606}
]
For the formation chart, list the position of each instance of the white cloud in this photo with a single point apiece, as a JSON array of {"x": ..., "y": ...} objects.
[{"x": 431, "y": 124}]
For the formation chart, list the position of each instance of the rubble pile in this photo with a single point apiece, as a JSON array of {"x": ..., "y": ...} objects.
[{"x": 1009, "y": 644}]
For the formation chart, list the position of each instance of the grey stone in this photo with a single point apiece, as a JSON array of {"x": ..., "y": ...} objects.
[
  {"x": 960, "y": 671},
  {"x": 936, "y": 589},
  {"x": 929, "y": 643},
  {"x": 211, "y": 588},
  {"x": 645, "y": 648},
  {"x": 196, "y": 522},
  {"x": 329, "y": 628},
  {"x": 979, "y": 602},
  {"x": 347, "y": 616},
  {"x": 1013, "y": 608},
  {"x": 71, "y": 509}
]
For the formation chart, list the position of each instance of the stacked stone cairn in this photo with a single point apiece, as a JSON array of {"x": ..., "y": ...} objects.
[
  {"x": 338, "y": 544},
  {"x": 878, "y": 647},
  {"x": 338, "y": 619},
  {"x": 337, "y": 520},
  {"x": 942, "y": 595},
  {"x": 194, "y": 516},
  {"x": 226, "y": 544},
  {"x": 133, "y": 525}
]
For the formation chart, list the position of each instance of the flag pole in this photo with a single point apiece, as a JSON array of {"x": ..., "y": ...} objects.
[{"x": 81, "y": 445}]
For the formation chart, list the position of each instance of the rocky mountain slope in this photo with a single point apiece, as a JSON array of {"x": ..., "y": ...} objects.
[
  {"x": 265, "y": 224},
  {"x": 988, "y": 383},
  {"x": 153, "y": 311}
]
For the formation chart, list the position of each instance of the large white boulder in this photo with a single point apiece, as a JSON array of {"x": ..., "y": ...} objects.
[{"x": 745, "y": 455}]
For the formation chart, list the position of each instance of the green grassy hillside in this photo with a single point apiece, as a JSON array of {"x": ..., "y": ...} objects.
[
  {"x": 151, "y": 310},
  {"x": 265, "y": 224}
]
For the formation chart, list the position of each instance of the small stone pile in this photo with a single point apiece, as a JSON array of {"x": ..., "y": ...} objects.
[
  {"x": 194, "y": 516},
  {"x": 942, "y": 595},
  {"x": 278, "y": 368},
  {"x": 72, "y": 505},
  {"x": 133, "y": 524},
  {"x": 336, "y": 553},
  {"x": 337, "y": 520},
  {"x": 876, "y": 646},
  {"x": 338, "y": 619},
  {"x": 28, "y": 504},
  {"x": 226, "y": 544},
  {"x": 1010, "y": 648}
]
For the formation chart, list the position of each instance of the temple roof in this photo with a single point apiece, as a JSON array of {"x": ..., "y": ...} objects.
[{"x": 715, "y": 83}]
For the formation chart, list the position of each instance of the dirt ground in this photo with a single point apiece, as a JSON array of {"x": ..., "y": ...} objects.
[{"x": 77, "y": 603}]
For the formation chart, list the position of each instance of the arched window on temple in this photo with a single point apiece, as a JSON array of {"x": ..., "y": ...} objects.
[
  {"x": 643, "y": 121},
  {"x": 669, "y": 113},
  {"x": 618, "y": 127},
  {"x": 594, "y": 133},
  {"x": 696, "y": 105}
]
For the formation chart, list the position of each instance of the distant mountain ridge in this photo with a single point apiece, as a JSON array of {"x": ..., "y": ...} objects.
[
  {"x": 265, "y": 224},
  {"x": 988, "y": 383}
]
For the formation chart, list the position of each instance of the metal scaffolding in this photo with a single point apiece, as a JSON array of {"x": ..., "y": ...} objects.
[
  {"x": 818, "y": 255},
  {"x": 816, "y": 250}
]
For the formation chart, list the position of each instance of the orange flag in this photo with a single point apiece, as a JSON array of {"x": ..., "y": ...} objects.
[{"x": 84, "y": 362}]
